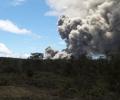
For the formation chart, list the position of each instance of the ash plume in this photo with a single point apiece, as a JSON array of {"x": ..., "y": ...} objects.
[
  {"x": 50, "y": 53},
  {"x": 90, "y": 26},
  {"x": 53, "y": 54}
]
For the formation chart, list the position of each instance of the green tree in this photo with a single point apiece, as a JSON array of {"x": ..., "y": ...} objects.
[{"x": 36, "y": 56}]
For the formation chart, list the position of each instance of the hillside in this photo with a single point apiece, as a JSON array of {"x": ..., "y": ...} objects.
[{"x": 81, "y": 79}]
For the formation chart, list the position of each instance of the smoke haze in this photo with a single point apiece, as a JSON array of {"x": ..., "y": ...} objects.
[{"x": 88, "y": 25}]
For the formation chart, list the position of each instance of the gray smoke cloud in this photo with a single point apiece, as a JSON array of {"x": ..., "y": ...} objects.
[
  {"x": 53, "y": 54},
  {"x": 88, "y": 25},
  {"x": 49, "y": 53}
]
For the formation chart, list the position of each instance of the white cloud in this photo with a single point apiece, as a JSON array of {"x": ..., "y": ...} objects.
[
  {"x": 9, "y": 26},
  {"x": 71, "y": 8},
  {"x": 18, "y": 2},
  {"x": 4, "y": 51},
  {"x": 23, "y": 56}
]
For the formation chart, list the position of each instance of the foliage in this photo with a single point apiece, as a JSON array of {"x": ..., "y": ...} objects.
[
  {"x": 82, "y": 79},
  {"x": 36, "y": 56}
]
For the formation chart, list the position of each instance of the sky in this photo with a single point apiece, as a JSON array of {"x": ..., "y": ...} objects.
[{"x": 26, "y": 27}]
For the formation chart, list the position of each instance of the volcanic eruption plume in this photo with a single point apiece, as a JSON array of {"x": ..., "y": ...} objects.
[{"x": 89, "y": 26}]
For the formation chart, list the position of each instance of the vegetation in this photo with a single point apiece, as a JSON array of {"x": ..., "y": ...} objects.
[
  {"x": 36, "y": 56},
  {"x": 82, "y": 79}
]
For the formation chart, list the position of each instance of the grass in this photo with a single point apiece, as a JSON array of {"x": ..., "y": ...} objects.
[{"x": 82, "y": 79}]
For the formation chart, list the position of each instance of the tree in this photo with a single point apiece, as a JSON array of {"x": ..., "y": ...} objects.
[{"x": 36, "y": 56}]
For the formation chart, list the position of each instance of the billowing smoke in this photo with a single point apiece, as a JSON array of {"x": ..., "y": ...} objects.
[
  {"x": 53, "y": 54},
  {"x": 50, "y": 53},
  {"x": 88, "y": 26},
  {"x": 95, "y": 29},
  {"x": 62, "y": 55}
]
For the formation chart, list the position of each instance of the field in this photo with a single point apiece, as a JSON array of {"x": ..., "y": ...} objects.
[{"x": 83, "y": 79}]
